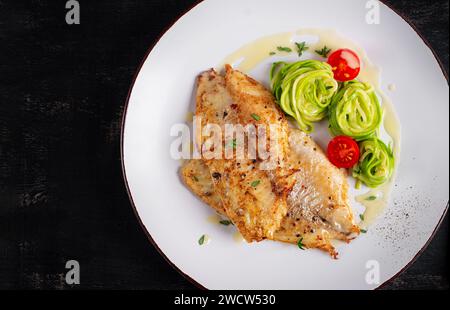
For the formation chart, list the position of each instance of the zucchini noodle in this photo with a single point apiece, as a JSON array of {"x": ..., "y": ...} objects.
[
  {"x": 355, "y": 111},
  {"x": 376, "y": 163},
  {"x": 303, "y": 90}
]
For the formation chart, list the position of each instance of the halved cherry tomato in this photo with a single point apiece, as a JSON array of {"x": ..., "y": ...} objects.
[
  {"x": 343, "y": 152},
  {"x": 345, "y": 64}
]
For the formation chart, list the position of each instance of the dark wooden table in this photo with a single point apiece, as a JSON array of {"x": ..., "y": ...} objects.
[{"x": 62, "y": 93}]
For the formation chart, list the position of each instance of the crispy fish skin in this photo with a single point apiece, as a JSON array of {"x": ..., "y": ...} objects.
[{"x": 251, "y": 197}]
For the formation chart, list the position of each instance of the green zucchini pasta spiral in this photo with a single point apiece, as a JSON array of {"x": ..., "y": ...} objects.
[
  {"x": 355, "y": 111},
  {"x": 303, "y": 90},
  {"x": 376, "y": 163}
]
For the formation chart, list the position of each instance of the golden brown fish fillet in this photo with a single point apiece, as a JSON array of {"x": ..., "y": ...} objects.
[
  {"x": 318, "y": 208},
  {"x": 196, "y": 176},
  {"x": 303, "y": 197},
  {"x": 253, "y": 99},
  {"x": 251, "y": 197}
]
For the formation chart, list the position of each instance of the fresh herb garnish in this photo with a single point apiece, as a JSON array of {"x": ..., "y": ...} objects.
[
  {"x": 363, "y": 231},
  {"x": 255, "y": 183},
  {"x": 329, "y": 87},
  {"x": 300, "y": 244},
  {"x": 256, "y": 117},
  {"x": 232, "y": 143},
  {"x": 195, "y": 178},
  {"x": 301, "y": 47},
  {"x": 324, "y": 51},
  {"x": 272, "y": 53},
  {"x": 371, "y": 198},
  {"x": 284, "y": 49},
  {"x": 202, "y": 239},
  {"x": 225, "y": 222},
  {"x": 361, "y": 216}
]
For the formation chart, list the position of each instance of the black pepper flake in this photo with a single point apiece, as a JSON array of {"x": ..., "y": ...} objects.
[
  {"x": 216, "y": 175},
  {"x": 225, "y": 114}
]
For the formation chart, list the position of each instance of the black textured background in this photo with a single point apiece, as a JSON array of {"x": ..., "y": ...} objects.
[{"x": 62, "y": 93}]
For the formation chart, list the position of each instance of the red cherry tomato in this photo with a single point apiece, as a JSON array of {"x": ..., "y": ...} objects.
[
  {"x": 343, "y": 152},
  {"x": 345, "y": 64}
]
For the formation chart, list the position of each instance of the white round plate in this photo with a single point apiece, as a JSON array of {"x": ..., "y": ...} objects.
[{"x": 174, "y": 219}]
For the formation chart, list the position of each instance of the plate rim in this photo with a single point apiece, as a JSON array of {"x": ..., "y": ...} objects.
[{"x": 122, "y": 133}]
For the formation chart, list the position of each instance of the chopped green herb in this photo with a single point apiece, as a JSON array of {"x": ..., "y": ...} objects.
[
  {"x": 284, "y": 49},
  {"x": 324, "y": 51},
  {"x": 232, "y": 143},
  {"x": 256, "y": 117},
  {"x": 370, "y": 198},
  {"x": 329, "y": 87},
  {"x": 195, "y": 178},
  {"x": 300, "y": 244},
  {"x": 363, "y": 231},
  {"x": 301, "y": 47},
  {"x": 202, "y": 239},
  {"x": 225, "y": 222},
  {"x": 272, "y": 53},
  {"x": 361, "y": 216},
  {"x": 358, "y": 182},
  {"x": 255, "y": 183}
]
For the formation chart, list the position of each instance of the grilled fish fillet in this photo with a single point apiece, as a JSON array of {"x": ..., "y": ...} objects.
[
  {"x": 319, "y": 209},
  {"x": 257, "y": 210},
  {"x": 303, "y": 197}
]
